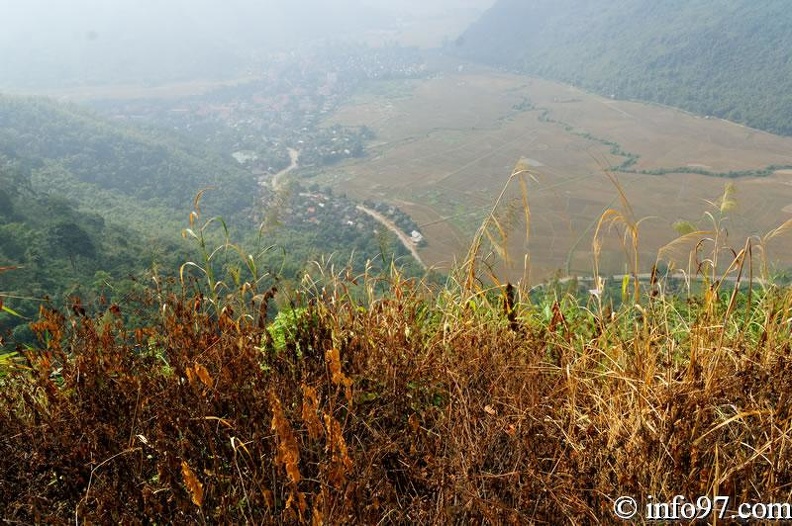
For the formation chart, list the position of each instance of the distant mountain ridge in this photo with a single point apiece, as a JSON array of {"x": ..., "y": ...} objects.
[{"x": 726, "y": 58}]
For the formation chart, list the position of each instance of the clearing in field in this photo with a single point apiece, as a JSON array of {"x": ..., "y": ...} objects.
[{"x": 446, "y": 146}]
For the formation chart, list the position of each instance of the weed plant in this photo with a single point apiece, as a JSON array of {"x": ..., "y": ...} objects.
[{"x": 377, "y": 399}]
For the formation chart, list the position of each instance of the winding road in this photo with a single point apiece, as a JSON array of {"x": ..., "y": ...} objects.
[
  {"x": 294, "y": 155},
  {"x": 390, "y": 225}
]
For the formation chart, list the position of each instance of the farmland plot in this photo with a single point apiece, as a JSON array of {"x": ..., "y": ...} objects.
[{"x": 446, "y": 147}]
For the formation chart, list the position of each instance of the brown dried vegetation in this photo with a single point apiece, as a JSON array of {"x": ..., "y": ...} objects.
[
  {"x": 390, "y": 403},
  {"x": 402, "y": 409}
]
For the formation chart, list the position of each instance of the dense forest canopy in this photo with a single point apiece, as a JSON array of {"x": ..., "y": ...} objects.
[
  {"x": 51, "y": 249},
  {"x": 729, "y": 59}
]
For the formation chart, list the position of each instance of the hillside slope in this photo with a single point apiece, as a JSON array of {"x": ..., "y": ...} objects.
[
  {"x": 86, "y": 202},
  {"x": 729, "y": 59},
  {"x": 69, "y": 142}
]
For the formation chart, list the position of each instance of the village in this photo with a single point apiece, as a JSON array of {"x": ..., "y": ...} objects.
[
  {"x": 282, "y": 107},
  {"x": 258, "y": 122},
  {"x": 335, "y": 218}
]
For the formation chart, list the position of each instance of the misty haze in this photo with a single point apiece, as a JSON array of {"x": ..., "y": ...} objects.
[{"x": 420, "y": 262}]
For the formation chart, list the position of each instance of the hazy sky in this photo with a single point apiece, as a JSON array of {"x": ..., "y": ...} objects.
[
  {"x": 44, "y": 41},
  {"x": 26, "y": 20}
]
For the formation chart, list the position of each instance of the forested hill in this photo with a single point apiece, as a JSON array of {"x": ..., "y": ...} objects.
[
  {"x": 80, "y": 153},
  {"x": 726, "y": 58},
  {"x": 85, "y": 202}
]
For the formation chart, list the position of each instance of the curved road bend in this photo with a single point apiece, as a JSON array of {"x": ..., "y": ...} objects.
[
  {"x": 294, "y": 155},
  {"x": 390, "y": 225}
]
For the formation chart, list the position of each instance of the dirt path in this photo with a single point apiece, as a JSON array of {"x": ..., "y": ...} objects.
[{"x": 390, "y": 225}]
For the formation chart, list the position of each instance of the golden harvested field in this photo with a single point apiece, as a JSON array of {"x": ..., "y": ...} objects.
[{"x": 447, "y": 145}]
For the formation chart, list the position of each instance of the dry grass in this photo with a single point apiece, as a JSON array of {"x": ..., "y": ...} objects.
[{"x": 378, "y": 400}]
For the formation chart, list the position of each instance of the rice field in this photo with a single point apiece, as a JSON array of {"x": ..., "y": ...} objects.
[{"x": 447, "y": 145}]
